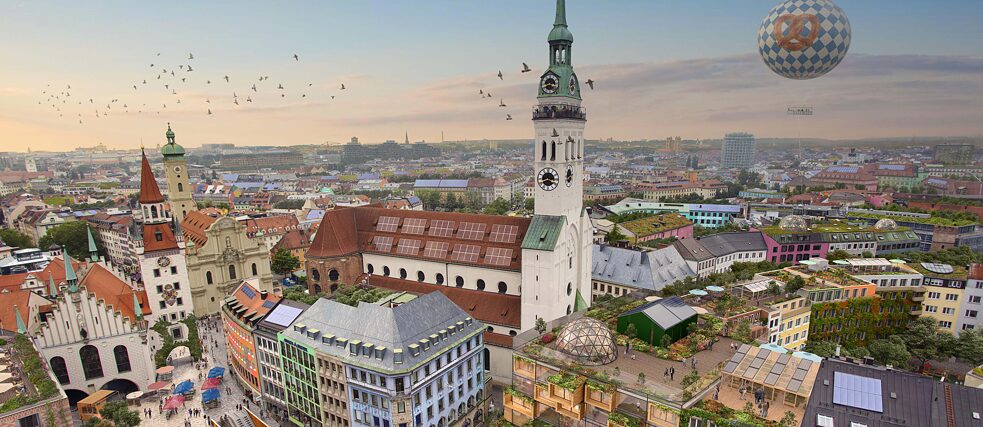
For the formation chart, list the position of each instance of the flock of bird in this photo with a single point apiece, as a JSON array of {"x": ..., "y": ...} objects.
[
  {"x": 501, "y": 102},
  {"x": 170, "y": 83},
  {"x": 167, "y": 81}
]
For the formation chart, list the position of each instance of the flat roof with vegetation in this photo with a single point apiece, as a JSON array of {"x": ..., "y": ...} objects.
[{"x": 934, "y": 220}]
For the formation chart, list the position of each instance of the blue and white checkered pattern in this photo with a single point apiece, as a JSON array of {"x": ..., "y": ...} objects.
[{"x": 827, "y": 50}]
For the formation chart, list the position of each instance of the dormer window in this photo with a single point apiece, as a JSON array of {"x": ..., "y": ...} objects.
[{"x": 159, "y": 236}]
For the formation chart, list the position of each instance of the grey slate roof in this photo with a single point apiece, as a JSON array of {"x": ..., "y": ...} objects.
[
  {"x": 651, "y": 270},
  {"x": 333, "y": 328},
  {"x": 722, "y": 244},
  {"x": 666, "y": 312},
  {"x": 919, "y": 400}
]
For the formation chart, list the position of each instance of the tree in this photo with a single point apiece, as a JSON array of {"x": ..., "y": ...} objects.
[
  {"x": 743, "y": 332},
  {"x": 497, "y": 207},
  {"x": 283, "y": 262},
  {"x": 529, "y": 204},
  {"x": 299, "y": 294},
  {"x": 615, "y": 235},
  {"x": 352, "y": 295},
  {"x": 15, "y": 238},
  {"x": 472, "y": 201},
  {"x": 120, "y": 414},
  {"x": 450, "y": 202},
  {"x": 925, "y": 342},
  {"x": 289, "y": 204},
  {"x": 837, "y": 255},
  {"x": 788, "y": 420},
  {"x": 72, "y": 237},
  {"x": 970, "y": 346},
  {"x": 890, "y": 351},
  {"x": 821, "y": 348},
  {"x": 540, "y": 325},
  {"x": 631, "y": 331},
  {"x": 793, "y": 285}
]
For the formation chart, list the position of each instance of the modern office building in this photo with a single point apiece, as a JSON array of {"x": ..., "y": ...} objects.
[
  {"x": 704, "y": 215},
  {"x": 417, "y": 364},
  {"x": 737, "y": 151},
  {"x": 241, "y": 312},
  {"x": 268, "y": 353}
]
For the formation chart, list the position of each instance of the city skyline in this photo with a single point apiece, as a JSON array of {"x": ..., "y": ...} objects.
[{"x": 651, "y": 81}]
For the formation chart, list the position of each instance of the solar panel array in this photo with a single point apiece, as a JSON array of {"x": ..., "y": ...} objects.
[
  {"x": 858, "y": 392},
  {"x": 498, "y": 256},
  {"x": 382, "y": 243},
  {"x": 435, "y": 249},
  {"x": 408, "y": 247},
  {"x": 387, "y": 224},
  {"x": 441, "y": 228},
  {"x": 249, "y": 292},
  {"x": 284, "y": 315},
  {"x": 269, "y": 304},
  {"x": 414, "y": 225},
  {"x": 503, "y": 233},
  {"x": 800, "y": 375},
  {"x": 472, "y": 231},
  {"x": 465, "y": 253}
]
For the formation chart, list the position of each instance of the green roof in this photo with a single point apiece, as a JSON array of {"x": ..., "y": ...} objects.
[
  {"x": 171, "y": 148},
  {"x": 560, "y": 30},
  {"x": 655, "y": 224},
  {"x": 543, "y": 232},
  {"x": 933, "y": 220}
]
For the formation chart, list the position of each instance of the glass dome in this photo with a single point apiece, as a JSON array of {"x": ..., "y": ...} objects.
[
  {"x": 886, "y": 224},
  {"x": 589, "y": 341},
  {"x": 793, "y": 223}
]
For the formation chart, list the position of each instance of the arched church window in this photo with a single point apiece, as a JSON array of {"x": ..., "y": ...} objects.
[
  {"x": 122, "y": 359},
  {"x": 420, "y": 276},
  {"x": 439, "y": 278},
  {"x": 385, "y": 270},
  {"x": 370, "y": 268},
  {"x": 459, "y": 281},
  {"x": 153, "y": 212},
  {"x": 60, "y": 369},
  {"x": 569, "y": 288},
  {"x": 553, "y": 150},
  {"x": 481, "y": 285},
  {"x": 180, "y": 187},
  {"x": 333, "y": 275},
  {"x": 232, "y": 272},
  {"x": 255, "y": 270},
  {"x": 91, "y": 364},
  {"x": 208, "y": 277},
  {"x": 544, "y": 151},
  {"x": 402, "y": 273},
  {"x": 316, "y": 275},
  {"x": 502, "y": 287}
]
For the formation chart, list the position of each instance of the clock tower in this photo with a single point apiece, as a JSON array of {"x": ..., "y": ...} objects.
[
  {"x": 559, "y": 123},
  {"x": 179, "y": 190},
  {"x": 556, "y": 252}
]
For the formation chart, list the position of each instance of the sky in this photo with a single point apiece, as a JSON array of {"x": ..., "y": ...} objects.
[{"x": 662, "y": 68}]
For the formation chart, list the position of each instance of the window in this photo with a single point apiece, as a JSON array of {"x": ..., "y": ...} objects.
[
  {"x": 122, "y": 359},
  {"x": 173, "y": 270},
  {"x": 951, "y": 297},
  {"x": 91, "y": 364},
  {"x": 972, "y": 313},
  {"x": 232, "y": 272},
  {"x": 385, "y": 270},
  {"x": 420, "y": 276},
  {"x": 316, "y": 275},
  {"x": 502, "y": 287},
  {"x": 156, "y": 272},
  {"x": 402, "y": 273},
  {"x": 208, "y": 277},
  {"x": 333, "y": 275},
  {"x": 60, "y": 369},
  {"x": 255, "y": 270},
  {"x": 440, "y": 279},
  {"x": 481, "y": 285},
  {"x": 459, "y": 281}
]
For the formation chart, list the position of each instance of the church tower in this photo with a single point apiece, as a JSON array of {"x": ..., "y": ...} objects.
[
  {"x": 179, "y": 190},
  {"x": 556, "y": 252}
]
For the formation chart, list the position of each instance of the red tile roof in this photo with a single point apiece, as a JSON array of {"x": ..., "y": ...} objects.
[
  {"x": 158, "y": 237},
  {"x": 194, "y": 226},
  {"x": 149, "y": 191},
  {"x": 349, "y": 230},
  {"x": 252, "y": 302},
  {"x": 492, "y": 308},
  {"x": 106, "y": 286},
  {"x": 8, "y": 299},
  {"x": 296, "y": 239},
  {"x": 278, "y": 224}
]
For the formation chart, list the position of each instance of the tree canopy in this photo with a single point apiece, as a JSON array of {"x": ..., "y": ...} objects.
[
  {"x": 15, "y": 238},
  {"x": 72, "y": 237},
  {"x": 284, "y": 262}
]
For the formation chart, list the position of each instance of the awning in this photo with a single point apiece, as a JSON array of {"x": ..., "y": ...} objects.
[
  {"x": 217, "y": 372},
  {"x": 164, "y": 370},
  {"x": 698, "y": 292},
  {"x": 158, "y": 385},
  {"x": 210, "y": 395},
  {"x": 211, "y": 383},
  {"x": 174, "y": 402},
  {"x": 184, "y": 387}
]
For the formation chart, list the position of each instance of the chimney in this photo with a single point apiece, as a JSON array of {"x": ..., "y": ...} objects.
[{"x": 263, "y": 294}]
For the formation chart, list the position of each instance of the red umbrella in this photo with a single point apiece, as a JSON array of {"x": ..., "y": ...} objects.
[
  {"x": 158, "y": 385},
  {"x": 174, "y": 402},
  {"x": 211, "y": 383}
]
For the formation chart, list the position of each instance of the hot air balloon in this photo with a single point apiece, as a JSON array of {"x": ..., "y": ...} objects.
[{"x": 804, "y": 39}]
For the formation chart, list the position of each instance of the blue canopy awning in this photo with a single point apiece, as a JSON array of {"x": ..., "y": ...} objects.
[
  {"x": 210, "y": 395},
  {"x": 183, "y": 387},
  {"x": 216, "y": 372}
]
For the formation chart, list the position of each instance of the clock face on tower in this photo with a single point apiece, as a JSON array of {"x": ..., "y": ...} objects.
[
  {"x": 550, "y": 83},
  {"x": 177, "y": 169},
  {"x": 573, "y": 84},
  {"x": 548, "y": 179},
  {"x": 569, "y": 177},
  {"x": 163, "y": 261}
]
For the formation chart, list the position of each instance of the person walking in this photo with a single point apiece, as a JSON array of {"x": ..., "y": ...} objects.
[{"x": 742, "y": 391}]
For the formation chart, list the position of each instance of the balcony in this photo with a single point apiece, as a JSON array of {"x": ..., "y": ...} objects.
[
  {"x": 918, "y": 298},
  {"x": 566, "y": 389},
  {"x": 523, "y": 367},
  {"x": 600, "y": 396},
  {"x": 617, "y": 419},
  {"x": 570, "y": 112},
  {"x": 519, "y": 402}
]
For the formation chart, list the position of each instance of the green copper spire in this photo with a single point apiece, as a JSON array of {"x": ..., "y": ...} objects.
[
  {"x": 560, "y": 30},
  {"x": 171, "y": 149},
  {"x": 52, "y": 289},
  {"x": 136, "y": 306},
  {"x": 70, "y": 277},
  {"x": 21, "y": 327},
  {"x": 93, "y": 252}
]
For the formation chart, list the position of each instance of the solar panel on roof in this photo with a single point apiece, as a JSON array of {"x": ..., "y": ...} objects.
[
  {"x": 283, "y": 315},
  {"x": 805, "y": 364},
  {"x": 793, "y": 385},
  {"x": 757, "y": 362},
  {"x": 771, "y": 379},
  {"x": 387, "y": 224},
  {"x": 465, "y": 253},
  {"x": 503, "y": 233},
  {"x": 441, "y": 228},
  {"x": 731, "y": 366},
  {"x": 408, "y": 247},
  {"x": 414, "y": 225},
  {"x": 435, "y": 249},
  {"x": 249, "y": 292},
  {"x": 498, "y": 256},
  {"x": 268, "y": 304},
  {"x": 783, "y": 359},
  {"x": 472, "y": 230},
  {"x": 800, "y": 374},
  {"x": 750, "y": 372},
  {"x": 858, "y": 392},
  {"x": 382, "y": 243}
]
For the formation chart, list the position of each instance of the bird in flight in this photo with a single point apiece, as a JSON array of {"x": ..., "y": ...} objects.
[
  {"x": 500, "y": 75},
  {"x": 151, "y": 65},
  {"x": 226, "y": 79},
  {"x": 303, "y": 95},
  {"x": 525, "y": 68},
  {"x": 501, "y": 103},
  {"x": 166, "y": 87},
  {"x": 181, "y": 66},
  {"x": 189, "y": 69},
  {"x": 280, "y": 86},
  {"x": 134, "y": 87},
  {"x": 208, "y": 82},
  {"x": 555, "y": 133},
  {"x": 296, "y": 58},
  {"x": 248, "y": 99},
  {"x": 481, "y": 92},
  {"x": 209, "y": 111},
  {"x": 191, "y": 56},
  {"x": 342, "y": 86},
  {"x": 144, "y": 81},
  {"x": 508, "y": 117},
  {"x": 208, "y": 101},
  {"x": 590, "y": 83},
  {"x": 183, "y": 79},
  {"x": 236, "y": 101},
  {"x": 310, "y": 84},
  {"x": 254, "y": 88}
]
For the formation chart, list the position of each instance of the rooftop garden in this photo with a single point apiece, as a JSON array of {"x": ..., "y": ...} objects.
[
  {"x": 656, "y": 224},
  {"x": 833, "y": 226},
  {"x": 932, "y": 220},
  {"x": 958, "y": 272},
  {"x": 37, "y": 382},
  {"x": 720, "y": 414}
]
